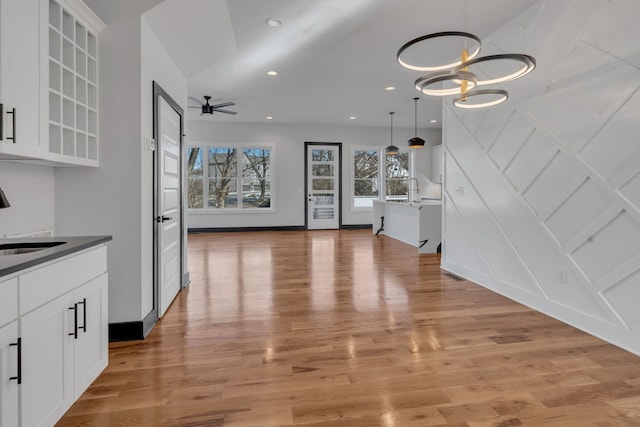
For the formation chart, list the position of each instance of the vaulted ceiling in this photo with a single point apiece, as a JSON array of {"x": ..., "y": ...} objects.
[{"x": 334, "y": 58}]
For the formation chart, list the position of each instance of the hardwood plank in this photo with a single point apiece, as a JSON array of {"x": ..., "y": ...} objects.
[{"x": 345, "y": 329}]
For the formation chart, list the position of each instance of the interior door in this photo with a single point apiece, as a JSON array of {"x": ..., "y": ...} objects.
[
  {"x": 323, "y": 186},
  {"x": 168, "y": 219}
]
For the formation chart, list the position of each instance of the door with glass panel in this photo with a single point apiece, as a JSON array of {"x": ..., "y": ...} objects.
[{"x": 323, "y": 186}]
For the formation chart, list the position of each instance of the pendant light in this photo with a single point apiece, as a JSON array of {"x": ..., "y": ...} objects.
[
  {"x": 459, "y": 77},
  {"x": 391, "y": 149},
  {"x": 416, "y": 141},
  {"x": 4, "y": 203}
]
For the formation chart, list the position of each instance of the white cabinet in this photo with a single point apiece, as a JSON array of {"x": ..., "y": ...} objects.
[
  {"x": 49, "y": 81},
  {"x": 73, "y": 82},
  {"x": 437, "y": 164},
  {"x": 20, "y": 79},
  {"x": 9, "y": 347},
  {"x": 60, "y": 314}
]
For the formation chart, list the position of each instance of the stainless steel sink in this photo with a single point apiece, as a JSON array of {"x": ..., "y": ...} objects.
[{"x": 25, "y": 248}]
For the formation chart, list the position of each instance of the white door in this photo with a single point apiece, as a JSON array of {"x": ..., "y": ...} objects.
[
  {"x": 168, "y": 220},
  {"x": 323, "y": 187}
]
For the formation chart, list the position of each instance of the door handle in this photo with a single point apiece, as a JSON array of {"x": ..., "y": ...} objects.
[
  {"x": 84, "y": 315},
  {"x": 75, "y": 321},
  {"x": 18, "y": 376},
  {"x": 164, "y": 218}
]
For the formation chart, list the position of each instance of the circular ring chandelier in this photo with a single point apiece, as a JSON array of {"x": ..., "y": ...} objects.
[
  {"x": 417, "y": 42},
  {"x": 457, "y": 78},
  {"x": 424, "y": 84},
  {"x": 477, "y": 98}
]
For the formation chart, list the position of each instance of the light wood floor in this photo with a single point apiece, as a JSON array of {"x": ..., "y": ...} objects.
[{"x": 328, "y": 329}]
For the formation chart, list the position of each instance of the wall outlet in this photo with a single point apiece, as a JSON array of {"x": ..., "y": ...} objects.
[{"x": 459, "y": 191}]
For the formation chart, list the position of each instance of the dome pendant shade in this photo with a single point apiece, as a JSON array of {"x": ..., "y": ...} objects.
[
  {"x": 416, "y": 141},
  {"x": 391, "y": 149}
]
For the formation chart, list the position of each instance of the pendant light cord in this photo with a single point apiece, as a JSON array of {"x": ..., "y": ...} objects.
[
  {"x": 391, "y": 114},
  {"x": 415, "y": 118}
]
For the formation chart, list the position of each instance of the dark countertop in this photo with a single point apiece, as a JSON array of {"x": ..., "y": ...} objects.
[{"x": 14, "y": 263}]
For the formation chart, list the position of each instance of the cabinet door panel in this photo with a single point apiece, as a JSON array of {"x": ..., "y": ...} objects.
[
  {"x": 91, "y": 347},
  {"x": 20, "y": 74},
  {"x": 8, "y": 369},
  {"x": 47, "y": 364}
]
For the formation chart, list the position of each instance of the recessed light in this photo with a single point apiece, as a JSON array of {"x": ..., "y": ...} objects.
[
  {"x": 272, "y": 73},
  {"x": 434, "y": 121},
  {"x": 269, "y": 118},
  {"x": 273, "y": 22},
  {"x": 352, "y": 118},
  {"x": 390, "y": 88}
]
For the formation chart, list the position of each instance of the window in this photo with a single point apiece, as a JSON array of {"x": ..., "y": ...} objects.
[
  {"x": 397, "y": 176},
  {"x": 237, "y": 177},
  {"x": 366, "y": 178},
  {"x": 373, "y": 182}
]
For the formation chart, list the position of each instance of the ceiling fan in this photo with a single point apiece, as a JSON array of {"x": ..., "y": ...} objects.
[{"x": 215, "y": 108}]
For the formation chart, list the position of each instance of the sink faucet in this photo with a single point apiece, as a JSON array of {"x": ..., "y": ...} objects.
[{"x": 409, "y": 188}]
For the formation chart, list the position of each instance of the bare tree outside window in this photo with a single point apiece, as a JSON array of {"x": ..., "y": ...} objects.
[
  {"x": 366, "y": 185},
  {"x": 223, "y": 175},
  {"x": 195, "y": 190},
  {"x": 397, "y": 176},
  {"x": 256, "y": 178}
]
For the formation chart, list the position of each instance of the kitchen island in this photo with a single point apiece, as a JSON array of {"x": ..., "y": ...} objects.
[{"x": 417, "y": 224}]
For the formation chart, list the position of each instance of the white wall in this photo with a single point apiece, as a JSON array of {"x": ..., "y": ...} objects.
[
  {"x": 116, "y": 198},
  {"x": 29, "y": 189},
  {"x": 289, "y": 169},
  {"x": 158, "y": 66},
  {"x": 549, "y": 213}
]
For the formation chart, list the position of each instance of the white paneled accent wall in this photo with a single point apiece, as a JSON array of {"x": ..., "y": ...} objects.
[{"x": 542, "y": 193}]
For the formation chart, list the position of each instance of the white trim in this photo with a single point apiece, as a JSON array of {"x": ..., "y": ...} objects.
[{"x": 237, "y": 146}]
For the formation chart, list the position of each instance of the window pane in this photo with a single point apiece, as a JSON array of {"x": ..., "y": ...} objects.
[
  {"x": 322, "y": 184},
  {"x": 256, "y": 181},
  {"x": 365, "y": 164},
  {"x": 223, "y": 193},
  {"x": 323, "y": 199},
  {"x": 222, "y": 162},
  {"x": 397, "y": 165},
  {"x": 365, "y": 187},
  {"x": 323, "y": 213},
  {"x": 397, "y": 189},
  {"x": 195, "y": 187},
  {"x": 322, "y": 170},
  {"x": 322, "y": 155}
]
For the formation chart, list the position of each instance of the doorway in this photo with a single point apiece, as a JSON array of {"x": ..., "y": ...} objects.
[
  {"x": 168, "y": 204},
  {"x": 323, "y": 185}
]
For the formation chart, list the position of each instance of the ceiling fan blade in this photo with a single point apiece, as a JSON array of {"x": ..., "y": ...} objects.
[
  {"x": 193, "y": 106},
  {"x": 226, "y": 112},
  {"x": 196, "y": 100},
  {"x": 223, "y": 104}
]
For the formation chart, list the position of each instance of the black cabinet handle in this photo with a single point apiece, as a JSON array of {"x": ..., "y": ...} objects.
[
  {"x": 18, "y": 377},
  {"x": 1, "y": 122},
  {"x": 13, "y": 114},
  {"x": 84, "y": 315},
  {"x": 75, "y": 321}
]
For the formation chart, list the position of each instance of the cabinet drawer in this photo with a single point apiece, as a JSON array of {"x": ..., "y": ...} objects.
[
  {"x": 8, "y": 301},
  {"x": 45, "y": 284}
]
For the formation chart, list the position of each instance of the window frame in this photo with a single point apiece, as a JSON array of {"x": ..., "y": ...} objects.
[
  {"x": 239, "y": 147},
  {"x": 382, "y": 178}
]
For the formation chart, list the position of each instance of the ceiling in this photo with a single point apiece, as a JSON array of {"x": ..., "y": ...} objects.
[{"x": 334, "y": 58}]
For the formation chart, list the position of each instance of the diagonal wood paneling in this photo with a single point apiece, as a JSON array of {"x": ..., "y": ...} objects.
[{"x": 554, "y": 174}]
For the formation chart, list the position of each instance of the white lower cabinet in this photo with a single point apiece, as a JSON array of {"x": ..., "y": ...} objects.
[
  {"x": 63, "y": 333},
  {"x": 9, "y": 375}
]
